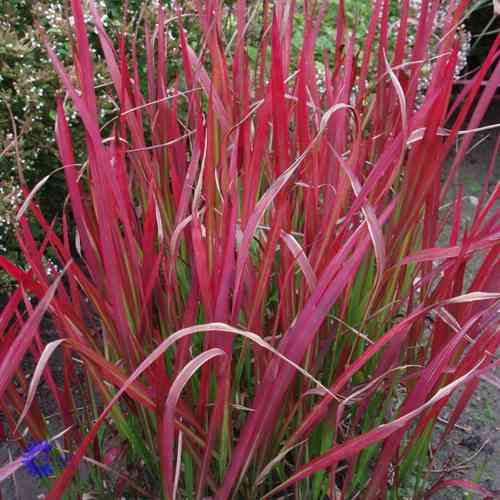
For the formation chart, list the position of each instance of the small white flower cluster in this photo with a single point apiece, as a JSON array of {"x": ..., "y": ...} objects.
[
  {"x": 54, "y": 13},
  {"x": 11, "y": 198},
  {"x": 438, "y": 31},
  {"x": 51, "y": 268}
]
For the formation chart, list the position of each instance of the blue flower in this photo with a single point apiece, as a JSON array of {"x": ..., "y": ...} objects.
[{"x": 36, "y": 459}]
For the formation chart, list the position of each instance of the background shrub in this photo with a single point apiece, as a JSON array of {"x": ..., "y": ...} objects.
[{"x": 28, "y": 86}]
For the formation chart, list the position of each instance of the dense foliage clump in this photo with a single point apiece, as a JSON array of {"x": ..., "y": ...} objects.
[{"x": 252, "y": 291}]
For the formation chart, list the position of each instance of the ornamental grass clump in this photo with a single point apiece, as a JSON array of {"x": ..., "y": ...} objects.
[{"x": 255, "y": 297}]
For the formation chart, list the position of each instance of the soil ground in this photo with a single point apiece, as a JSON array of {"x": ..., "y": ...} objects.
[{"x": 472, "y": 450}]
